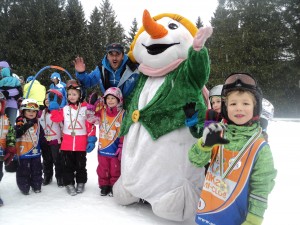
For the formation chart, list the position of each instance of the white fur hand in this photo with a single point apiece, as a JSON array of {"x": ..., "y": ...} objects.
[{"x": 201, "y": 37}]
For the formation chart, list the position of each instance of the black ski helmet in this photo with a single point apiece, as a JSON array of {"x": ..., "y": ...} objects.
[{"x": 244, "y": 82}]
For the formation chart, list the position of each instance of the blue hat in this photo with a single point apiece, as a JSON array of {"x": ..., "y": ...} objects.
[
  {"x": 55, "y": 75},
  {"x": 30, "y": 78}
]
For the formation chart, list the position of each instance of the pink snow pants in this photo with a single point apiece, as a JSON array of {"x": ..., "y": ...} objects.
[{"x": 108, "y": 170}]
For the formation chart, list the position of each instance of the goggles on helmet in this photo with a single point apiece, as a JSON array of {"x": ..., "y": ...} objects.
[
  {"x": 73, "y": 84},
  {"x": 30, "y": 105},
  {"x": 237, "y": 80}
]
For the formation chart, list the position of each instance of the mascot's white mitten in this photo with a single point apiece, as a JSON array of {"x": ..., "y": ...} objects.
[{"x": 201, "y": 37}]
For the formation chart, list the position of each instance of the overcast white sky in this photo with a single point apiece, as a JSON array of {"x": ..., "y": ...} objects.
[{"x": 127, "y": 10}]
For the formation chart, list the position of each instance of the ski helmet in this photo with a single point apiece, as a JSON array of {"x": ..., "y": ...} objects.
[
  {"x": 244, "y": 82},
  {"x": 216, "y": 91},
  {"x": 74, "y": 84},
  {"x": 116, "y": 92},
  {"x": 29, "y": 104}
]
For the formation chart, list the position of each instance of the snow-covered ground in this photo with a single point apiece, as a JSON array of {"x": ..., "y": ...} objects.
[{"x": 55, "y": 207}]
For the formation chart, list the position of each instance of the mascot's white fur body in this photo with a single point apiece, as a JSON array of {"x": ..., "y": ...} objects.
[{"x": 158, "y": 170}]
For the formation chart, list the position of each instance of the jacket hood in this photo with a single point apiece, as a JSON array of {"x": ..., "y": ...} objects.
[
  {"x": 5, "y": 72},
  {"x": 55, "y": 75}
]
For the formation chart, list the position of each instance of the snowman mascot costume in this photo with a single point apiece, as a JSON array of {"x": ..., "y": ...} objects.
[{"x": 174, "y": 67}]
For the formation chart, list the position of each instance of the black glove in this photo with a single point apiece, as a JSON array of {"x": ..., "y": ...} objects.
[
  {"x": 22, "y": 129},
  {"x": 212, "y": 135},
  {"x": 190, "y": 109}
]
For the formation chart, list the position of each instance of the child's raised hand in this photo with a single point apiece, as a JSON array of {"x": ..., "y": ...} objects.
[{"x": 212, "y": 135}]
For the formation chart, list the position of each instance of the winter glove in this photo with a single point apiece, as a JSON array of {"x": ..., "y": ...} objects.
[
  {"x": 212, "y": 135},
  {"x": 23, "y": 128},
  {"x": 252, "y": 219},
  {"x": 91, "y": 144},
  {"x": 191, "y": 114},
  {"x": 201, "y": 37},
  {"x": 10, "y": 153}
]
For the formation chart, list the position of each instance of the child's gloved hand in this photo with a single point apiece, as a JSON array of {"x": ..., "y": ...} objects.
[
  {"x": 91, "y": 144},
  {"x": 212, "y": 135},
  {"x": 10, "y": 153}
]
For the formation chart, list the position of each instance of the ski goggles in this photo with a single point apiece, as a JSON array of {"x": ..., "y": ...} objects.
[
  {"x": 73, "y": 84},
  {"x": 32, "y": 106},
  {"x": 240, "y": 80}
]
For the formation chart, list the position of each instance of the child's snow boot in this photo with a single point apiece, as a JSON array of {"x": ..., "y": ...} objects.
[
  {"x": 71, "y": 189},
  {"x": 60, "y": 182},
  {"x": 80, "y": 187},
  {"x": 47, "y": 180},
  {"x": 105, "y": 190}
]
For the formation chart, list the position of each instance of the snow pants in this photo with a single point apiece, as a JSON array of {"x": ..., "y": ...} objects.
[
  {"x": 108, "y": 170},
  {"x": 52, "y": 156},
  {"x": 29, "y": 174},
  {"x": 74, "y": 167}
]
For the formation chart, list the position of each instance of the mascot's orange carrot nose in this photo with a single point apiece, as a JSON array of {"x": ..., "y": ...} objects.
[{"x": 155, "y": 30}]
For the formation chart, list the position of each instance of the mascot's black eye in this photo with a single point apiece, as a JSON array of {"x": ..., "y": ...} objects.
[{"x": 173, "y": 26}]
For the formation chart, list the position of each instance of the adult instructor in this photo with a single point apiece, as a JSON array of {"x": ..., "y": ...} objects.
[{"x": 115, "y": 70}]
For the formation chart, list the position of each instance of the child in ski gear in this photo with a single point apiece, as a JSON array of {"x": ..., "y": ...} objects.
[
  {"x": 241, "y": 174},
  {"x": 30, "y": 140},
  {"x": 7, "y": 139},
  {"x": 53, "y": 133},
  {"x": 110, "y": 145},
  {"x": 78, "y": 136},
  {"x": 59, "y": 85}
]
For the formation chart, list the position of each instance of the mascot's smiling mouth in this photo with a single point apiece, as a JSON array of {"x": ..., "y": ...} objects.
[{"x": 156, "y": 49}]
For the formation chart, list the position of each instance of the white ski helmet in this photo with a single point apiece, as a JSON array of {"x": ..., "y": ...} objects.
[
  {"x": 29, "y": 104},
  {"x": 267, "y": 110},
  {"x": 216, "y": 91}
]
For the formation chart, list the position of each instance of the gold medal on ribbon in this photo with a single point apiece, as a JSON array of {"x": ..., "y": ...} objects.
[
  {"x": 223, "y": 186},
  {"x": 48, "y": 138}
]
